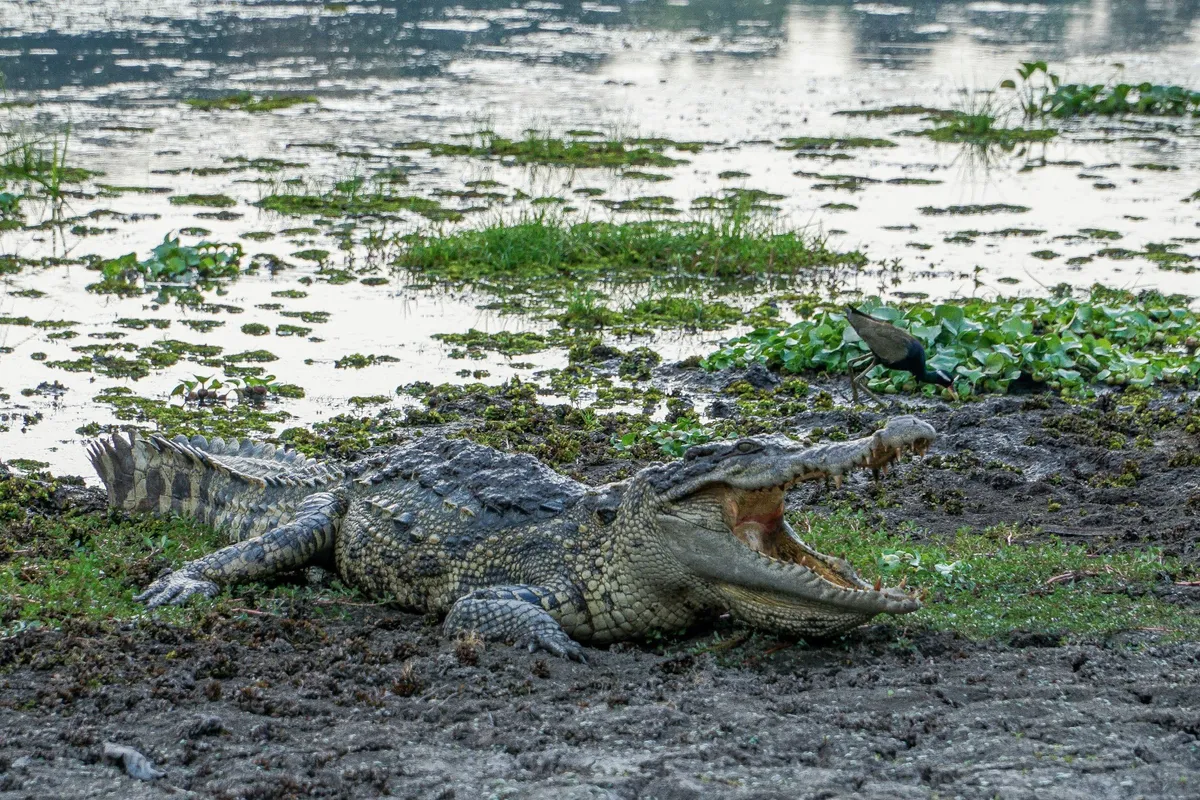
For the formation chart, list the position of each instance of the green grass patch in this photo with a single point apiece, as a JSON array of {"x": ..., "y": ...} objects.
[
  {"x": 117, "y": 190},
  {"x": 245, "y": 101},
  {"x": 894, "y": 111},
  {"x": 39, "y": 162},
  {"x": 652, "y": 177},
  {"x": 61, "y": 568},
  {"x": 360, "y": 361},
  {"x": 981, "y": 585},
  {"x": 588, "y": 311},
  {"x": 536, "y": 249},
  {"x": 1110, "y": 336},
  {"x": 647, "y": 203}
]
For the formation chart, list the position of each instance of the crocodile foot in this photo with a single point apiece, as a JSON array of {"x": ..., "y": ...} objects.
[
  {"x": 556, "y": 642},
  {"x": 175, "y": 588}
]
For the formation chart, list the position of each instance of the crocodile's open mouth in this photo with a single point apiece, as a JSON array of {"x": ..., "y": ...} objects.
[{"x": 756, "y": 518}]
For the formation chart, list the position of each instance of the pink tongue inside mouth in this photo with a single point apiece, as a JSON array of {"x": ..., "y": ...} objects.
[{"x": 753, "y": 533}]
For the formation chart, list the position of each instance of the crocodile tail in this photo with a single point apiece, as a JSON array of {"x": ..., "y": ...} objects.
[{"x": 246, "y": 485}]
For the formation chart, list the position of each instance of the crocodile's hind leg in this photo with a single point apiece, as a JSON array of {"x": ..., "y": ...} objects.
[
  {"x": 523, "y": 614},
  {"x": 308, "y": 537}
]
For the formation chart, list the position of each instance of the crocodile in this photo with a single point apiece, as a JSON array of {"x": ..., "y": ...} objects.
[{"x": 507, "y": 548}]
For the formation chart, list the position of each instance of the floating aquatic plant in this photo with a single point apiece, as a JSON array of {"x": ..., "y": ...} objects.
[
  {"x": 1043, "y": 94},
  {"x": 171, "y": 262},
  {"x": 1061, "y": 342}
]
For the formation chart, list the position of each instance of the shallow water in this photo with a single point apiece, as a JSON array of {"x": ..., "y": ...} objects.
[{"x": 729, "y": 73}]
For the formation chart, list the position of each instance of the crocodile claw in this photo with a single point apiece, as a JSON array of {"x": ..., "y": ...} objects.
[
  {"x": 556, "y": 643},
  {"x": 175, "y": 588}
]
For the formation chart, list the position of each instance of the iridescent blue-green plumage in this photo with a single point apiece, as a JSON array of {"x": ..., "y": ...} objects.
[{"x": 894, "y": 347}]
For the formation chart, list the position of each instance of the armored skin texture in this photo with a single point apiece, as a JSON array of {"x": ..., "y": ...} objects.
[{"x": 505, "y": 547}]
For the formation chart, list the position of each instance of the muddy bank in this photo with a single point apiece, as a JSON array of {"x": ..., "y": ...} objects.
[{"x": 377, "y": 705}]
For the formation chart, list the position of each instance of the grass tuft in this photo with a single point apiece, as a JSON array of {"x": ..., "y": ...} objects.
[{"x": 534, "y": 248}]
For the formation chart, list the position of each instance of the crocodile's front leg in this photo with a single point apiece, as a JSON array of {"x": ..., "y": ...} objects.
[
  {"x": 521, "y": 614},
  {"x": 281, "y": 549}
]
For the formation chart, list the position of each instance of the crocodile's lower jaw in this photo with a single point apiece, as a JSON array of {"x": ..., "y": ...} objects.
[{"x": 786, "y": 614}]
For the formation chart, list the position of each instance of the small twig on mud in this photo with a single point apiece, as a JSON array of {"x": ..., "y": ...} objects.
[
  {"x": 1077, "y": 574},
  {"x": 732, "y": 641},
  {"x": 770, "y": 652},
  {"x": 1158, "y": 629},
  {"x": 1187, "y": 583},
  {"x": 431, "y": 695},
  {"x": 254, "y": 611},
  {"x": 329, "y": 602}
]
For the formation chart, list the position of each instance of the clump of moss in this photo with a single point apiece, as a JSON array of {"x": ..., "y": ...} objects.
[
  {"x": 354, "y": 204},
  {"x": 981, "y": 128},
  {"x": 210, "y": 200},
  {"x": 360, "y": 361},
  {"x": 472, "y": 343}
]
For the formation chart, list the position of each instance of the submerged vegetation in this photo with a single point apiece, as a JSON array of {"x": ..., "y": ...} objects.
[
  {"x": 1067, "y": 344},
  {"x": 981, "y": 128},
  {"x": 537, "y": 148},
  {"x": 245, "y": 101},
  {"x": 355, "y": 197}
]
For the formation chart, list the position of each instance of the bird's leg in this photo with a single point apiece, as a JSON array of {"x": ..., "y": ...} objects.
[
  {"x": 854, "y": 382},
  {"x": 875, "y": 397}
]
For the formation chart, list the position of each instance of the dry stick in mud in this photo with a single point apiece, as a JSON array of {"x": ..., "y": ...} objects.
[{"x": 504, "y": 546}]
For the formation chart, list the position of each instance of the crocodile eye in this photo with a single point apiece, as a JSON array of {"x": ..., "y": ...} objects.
[{"x": 747, "y": 447}]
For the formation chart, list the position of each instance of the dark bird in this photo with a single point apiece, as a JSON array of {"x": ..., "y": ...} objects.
[{"x": 894, "y": 348}]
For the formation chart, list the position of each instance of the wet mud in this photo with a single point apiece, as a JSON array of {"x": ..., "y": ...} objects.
[{"x": 378, "y": 705}]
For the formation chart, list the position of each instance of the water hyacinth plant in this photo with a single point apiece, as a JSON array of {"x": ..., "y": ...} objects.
[
  {"x": 1042, "y": 93},
  {"x": 1064, "y": 343},
  {"x": 171, "y": 262}
]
